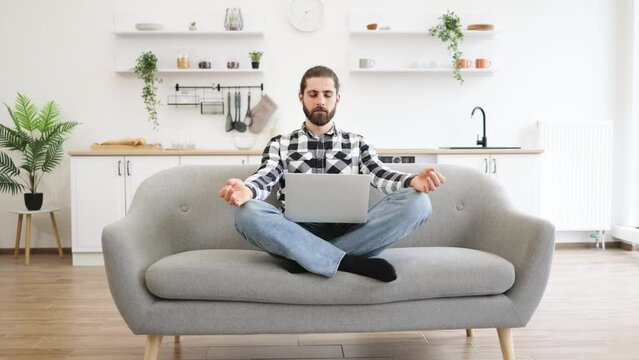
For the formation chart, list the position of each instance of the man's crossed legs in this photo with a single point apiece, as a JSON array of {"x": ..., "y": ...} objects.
[{"x": 323, "y": 248}]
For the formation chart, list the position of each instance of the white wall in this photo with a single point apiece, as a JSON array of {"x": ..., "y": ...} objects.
[{"x": 557, "y": 60}]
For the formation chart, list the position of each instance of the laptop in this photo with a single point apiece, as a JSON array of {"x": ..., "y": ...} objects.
[{"x": 327, "y": 198}]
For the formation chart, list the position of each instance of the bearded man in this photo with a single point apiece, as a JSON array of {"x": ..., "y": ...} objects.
[{"x": 320, "y": 147}]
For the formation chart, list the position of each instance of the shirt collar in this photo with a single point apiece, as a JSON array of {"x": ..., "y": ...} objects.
[{"x": 333, "y": 131}]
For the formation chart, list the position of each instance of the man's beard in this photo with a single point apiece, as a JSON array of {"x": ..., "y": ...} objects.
[{"x": 317, "y": 117}]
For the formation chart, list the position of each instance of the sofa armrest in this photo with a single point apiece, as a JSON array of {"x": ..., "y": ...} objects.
[
  {"x": 528, "y": 243},
  {"x": 130, "y": 246}
]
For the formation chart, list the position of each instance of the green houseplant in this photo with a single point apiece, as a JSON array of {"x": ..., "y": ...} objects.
[
  {"x": 38, "y": 135},
  {"x": 146, "y": 70},
  {"x": 449, "y": 30},
  {"x": 255, "y": 56}
]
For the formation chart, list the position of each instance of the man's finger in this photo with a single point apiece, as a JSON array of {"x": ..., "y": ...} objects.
[
  {"x": 433, "y": 177},
  {"x": 431, "y": 185}
]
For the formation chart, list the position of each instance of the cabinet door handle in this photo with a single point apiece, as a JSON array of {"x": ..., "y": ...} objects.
[
  {"x": 486, "y": 166},
  {"x": 494, "y": 166},
  {"x": 128, "y": 168},
  {"x": 119, "y": 167}
]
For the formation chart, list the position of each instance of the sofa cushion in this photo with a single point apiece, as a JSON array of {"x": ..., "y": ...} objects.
[{"x": 255, "y": 276}]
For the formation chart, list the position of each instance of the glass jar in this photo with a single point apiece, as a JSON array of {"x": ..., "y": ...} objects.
[
  {"x": 233, "y": 20},
  {"x": 183, "y": 60}
]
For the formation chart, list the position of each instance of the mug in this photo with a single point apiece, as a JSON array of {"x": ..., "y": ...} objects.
[
  {"x": 464, "y": 64},
  {"x": 366, "y": 63},
  {"x": 232, "y": 64},
  {"x": 482, "y": 63}
]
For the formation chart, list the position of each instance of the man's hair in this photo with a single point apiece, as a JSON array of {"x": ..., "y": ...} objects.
[{"x": 319, "y": 71}]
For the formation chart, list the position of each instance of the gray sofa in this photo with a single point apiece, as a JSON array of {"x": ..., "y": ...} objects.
[{"x": 177, "y": 266}]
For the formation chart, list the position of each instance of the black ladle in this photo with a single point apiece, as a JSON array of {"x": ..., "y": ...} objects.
[
  {"x": 238, "y": 125},
  {"x": 248, "y": 118}
]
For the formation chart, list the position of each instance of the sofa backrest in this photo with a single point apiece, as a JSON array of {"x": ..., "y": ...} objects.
[{"x": 183, "y": 202}]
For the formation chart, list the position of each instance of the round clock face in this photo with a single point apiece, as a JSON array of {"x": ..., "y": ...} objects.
[{"x": 306, "y": 15}]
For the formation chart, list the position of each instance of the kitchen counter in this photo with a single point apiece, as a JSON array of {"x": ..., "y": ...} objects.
[{"x": 203, "y": 152}]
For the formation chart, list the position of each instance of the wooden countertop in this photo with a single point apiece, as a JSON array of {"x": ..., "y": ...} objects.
[{"x": 203, "y": 152}]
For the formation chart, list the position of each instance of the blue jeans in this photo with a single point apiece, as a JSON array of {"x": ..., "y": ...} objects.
[{"x": 320, "y": 247}]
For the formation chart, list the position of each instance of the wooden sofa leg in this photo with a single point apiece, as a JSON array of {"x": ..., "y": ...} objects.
[
  {"x": 153, "y": 343},
  {"x": 469, "y": 332},
  {"x": 506, "y": 343},
  {"x": 177, "y": 339}
]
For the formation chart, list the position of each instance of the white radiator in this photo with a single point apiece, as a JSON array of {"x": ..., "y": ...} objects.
[{"x": 576, "y": 174}]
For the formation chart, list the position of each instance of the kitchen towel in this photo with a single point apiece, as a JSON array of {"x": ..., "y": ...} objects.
[{"x": 261, "y": 113}]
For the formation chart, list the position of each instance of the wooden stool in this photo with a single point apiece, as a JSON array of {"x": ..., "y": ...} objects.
[{"x": 27, "y": 247}]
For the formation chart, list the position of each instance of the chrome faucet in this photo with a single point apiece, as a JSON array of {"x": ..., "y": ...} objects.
[{"x": 484, "y": 141}]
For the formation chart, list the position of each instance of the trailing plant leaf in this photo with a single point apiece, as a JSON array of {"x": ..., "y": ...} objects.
[
  {"x": 146, "y": 70},
  {"x": 449, "y": 30},
  {"x": 38, "y": 136}
]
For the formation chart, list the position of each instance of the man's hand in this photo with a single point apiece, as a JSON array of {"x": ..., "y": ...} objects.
[
  {"x": 427, "y": 180},
  {"x": 235, "y": 192}
]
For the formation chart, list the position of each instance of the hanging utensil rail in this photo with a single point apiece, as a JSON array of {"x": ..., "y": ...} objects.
[{"x": 219, "y": 87}]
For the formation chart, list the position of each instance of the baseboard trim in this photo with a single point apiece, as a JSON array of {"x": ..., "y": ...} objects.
[
  {"x": 588, "y": 245},
  {"x": 9, "y": 251}
]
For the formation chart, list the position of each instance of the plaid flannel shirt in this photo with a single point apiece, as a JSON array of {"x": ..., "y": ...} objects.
[{"x": 337, "y": 152}]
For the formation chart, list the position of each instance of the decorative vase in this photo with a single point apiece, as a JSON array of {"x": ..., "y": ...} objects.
[
  {"x": 33, "y": 201},
  {"x": 255, "y": 64}
]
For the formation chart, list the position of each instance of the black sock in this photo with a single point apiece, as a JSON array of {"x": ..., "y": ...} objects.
[
  {"x": 375, "y": 268},
  {"x": 292, "y": 266}
]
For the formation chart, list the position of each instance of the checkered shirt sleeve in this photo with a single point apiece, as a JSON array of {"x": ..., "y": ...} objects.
[
  {"x": 383, "y": 178},
  {"x": 269, "y": 173}
]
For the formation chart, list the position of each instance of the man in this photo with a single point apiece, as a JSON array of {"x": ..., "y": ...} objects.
[{"x": 320, "y": 147}]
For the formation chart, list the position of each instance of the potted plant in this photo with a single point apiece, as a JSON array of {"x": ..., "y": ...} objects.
[
  {"x": 193, "y": 26},
  {"x": 146, "y": 70},
  {"x": 255, "y": 56},
  {"x": 449, "y": 30},
  {"x": 38, "y": 135}
]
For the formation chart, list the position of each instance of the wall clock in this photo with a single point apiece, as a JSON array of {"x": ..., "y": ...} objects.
[{"x": 306, "y": 15}]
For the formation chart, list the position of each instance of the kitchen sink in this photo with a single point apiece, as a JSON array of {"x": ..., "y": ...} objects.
[{"x": 479, "y": 147}]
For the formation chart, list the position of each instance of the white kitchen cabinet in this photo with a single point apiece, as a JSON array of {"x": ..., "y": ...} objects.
[
  {"x": 138, "y": 168},
  {"x": 102, "y": 188},
  {"x": 518, "y": 174}
]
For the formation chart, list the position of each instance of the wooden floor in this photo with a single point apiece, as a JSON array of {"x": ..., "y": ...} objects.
[{"x": 51, "y": 310}]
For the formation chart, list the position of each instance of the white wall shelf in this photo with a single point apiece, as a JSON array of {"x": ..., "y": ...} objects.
[
  {"x": 424, "y": 33},
  {"x": 187, "y": 34},
  {"x": 198, "y": 71},
  {"x": 405, "y": 47},
  {"x": 425, "y": 70}
]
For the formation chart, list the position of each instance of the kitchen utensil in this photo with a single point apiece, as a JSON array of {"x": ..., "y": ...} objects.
[
  {"x": 248, "y": 119},
  {"x": 239, "y": 125},
  {"x": 229, "y": 118}
]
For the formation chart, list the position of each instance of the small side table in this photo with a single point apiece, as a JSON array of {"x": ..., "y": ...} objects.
[{"x": 27, "y": 247}]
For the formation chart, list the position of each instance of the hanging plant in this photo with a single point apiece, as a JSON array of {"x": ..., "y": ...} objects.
[
  {"x": 146, "y": 70},
  {"x": 449, "y": 30}
]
